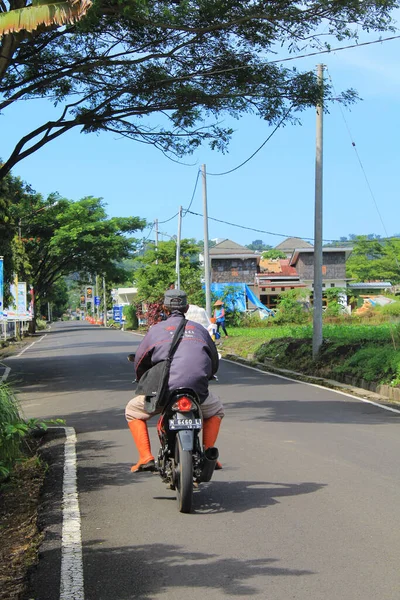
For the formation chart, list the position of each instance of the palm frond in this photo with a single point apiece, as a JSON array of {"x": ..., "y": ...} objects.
[{"x": 32, "y": 17}]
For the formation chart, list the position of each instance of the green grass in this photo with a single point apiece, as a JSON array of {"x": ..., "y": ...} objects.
[{"x": 383, "y": 332}]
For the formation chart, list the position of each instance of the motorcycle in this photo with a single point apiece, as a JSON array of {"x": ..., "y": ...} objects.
[{"x": 182, "y": 461}]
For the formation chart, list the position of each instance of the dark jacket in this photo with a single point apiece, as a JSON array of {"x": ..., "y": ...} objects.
[{"x": 195, "y": 360}]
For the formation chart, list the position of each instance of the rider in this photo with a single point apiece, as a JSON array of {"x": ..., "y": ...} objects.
[{"x": 194, "y": 363}]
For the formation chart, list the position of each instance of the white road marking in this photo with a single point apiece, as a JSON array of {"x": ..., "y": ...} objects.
[
  {"x": 25, "y": 349},
  {"x": 314, "y": 385},
  {"x": 71, "y": 586},
  {"x": 5, "y": 374}
]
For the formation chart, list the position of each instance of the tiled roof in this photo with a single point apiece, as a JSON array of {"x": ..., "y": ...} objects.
[
  {"x": 277, "y": 268},
  {"x": 292, "y": 243},
  {"x": 229, "y": 247}
]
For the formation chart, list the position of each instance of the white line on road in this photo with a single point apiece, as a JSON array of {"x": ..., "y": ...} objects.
[
  {"x": 5, "y": 374},
  {"x": 27, "y": 348},
  {"x": 314, "y": 385},
  {"x": 71, "y": 587}
]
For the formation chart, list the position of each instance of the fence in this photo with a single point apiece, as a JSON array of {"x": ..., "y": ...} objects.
[{"x": 12, "y": 329}]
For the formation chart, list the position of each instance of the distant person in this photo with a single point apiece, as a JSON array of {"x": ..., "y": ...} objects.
[{"x": 219, "y": 315}]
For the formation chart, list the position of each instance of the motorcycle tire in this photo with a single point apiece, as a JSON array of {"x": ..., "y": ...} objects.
[{"x": 183, "y": 477}]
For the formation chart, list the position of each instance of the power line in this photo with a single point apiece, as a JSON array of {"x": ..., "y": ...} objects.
[
  {"x": 258, "y": 149},
  {"x": 170, "y": 219},
  {"x": 194, "y": 191},
  {"x": 291, "y": 236},
  {"x": 359, "y": 159}
]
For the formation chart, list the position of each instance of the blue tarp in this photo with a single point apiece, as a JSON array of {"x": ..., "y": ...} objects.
[
  {"x": 253, "y": 298},
  {"x": 238, "y": 300}
]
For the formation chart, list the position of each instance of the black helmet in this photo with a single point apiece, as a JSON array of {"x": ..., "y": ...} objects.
[{"x": 175, "y": 300}]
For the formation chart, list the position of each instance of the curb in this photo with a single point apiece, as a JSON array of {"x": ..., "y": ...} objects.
[{"x": 328, "y": 383}]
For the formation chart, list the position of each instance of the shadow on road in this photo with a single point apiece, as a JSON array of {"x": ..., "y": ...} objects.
[
  {"x": 241, "y": 496},
  {"x": 148, "y": 570}
]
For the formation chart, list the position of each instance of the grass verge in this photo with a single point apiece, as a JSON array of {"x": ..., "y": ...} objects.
[{"x": 19, "y": 534}]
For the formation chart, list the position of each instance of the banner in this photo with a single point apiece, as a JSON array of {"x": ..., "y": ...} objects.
[
  {"x": 18, "y": 310},
  {"x": 1, "y": 287}
]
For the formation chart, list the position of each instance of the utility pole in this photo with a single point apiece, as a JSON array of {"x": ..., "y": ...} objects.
[
  {"x": 156, "y": 228},
  {"x": 97, "y": 294},
  {"x": 178, "y": 250},
  {"x": 104, "y": 302},
  {"x": 317, "y": 296},
  {"x": 207, "y": 278}
]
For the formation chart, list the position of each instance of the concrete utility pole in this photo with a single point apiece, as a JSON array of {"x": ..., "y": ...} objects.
[
  {"x": 178, "y": 250},
  {"x": 207, "y": 278},
  {"x": 97, "y": 293},
  {"x": 104, "y": 302},
  {"x": 317, "y": 296},
  {"x": 156, "y": 229}
]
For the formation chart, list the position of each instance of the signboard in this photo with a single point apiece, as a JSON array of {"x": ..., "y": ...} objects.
[
  {"x": 89, "y": 293},
  {"x": 97, "y": 300},
  {"x": 1, "y": 287},
  {"x": 18, "y": 310},
  {"x": 117, "y": 314}
]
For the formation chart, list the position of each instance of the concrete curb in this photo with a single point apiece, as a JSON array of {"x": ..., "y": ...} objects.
[{"x": 328, "y": 383}]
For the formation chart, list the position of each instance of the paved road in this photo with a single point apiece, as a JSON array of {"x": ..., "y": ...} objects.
[{"x": 307, "y": 506}]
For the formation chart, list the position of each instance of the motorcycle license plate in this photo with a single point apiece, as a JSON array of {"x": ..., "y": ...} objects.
[{"x": 184, "y": 424}]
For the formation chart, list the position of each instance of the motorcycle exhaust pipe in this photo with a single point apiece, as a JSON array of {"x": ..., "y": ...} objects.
[{"x": 210, "y": 460}]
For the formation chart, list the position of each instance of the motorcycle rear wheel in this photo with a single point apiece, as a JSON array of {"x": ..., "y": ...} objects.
[{"x": 183, "y": 477}]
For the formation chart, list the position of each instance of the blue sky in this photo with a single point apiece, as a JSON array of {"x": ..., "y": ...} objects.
[{"x": 274, "y": 191}]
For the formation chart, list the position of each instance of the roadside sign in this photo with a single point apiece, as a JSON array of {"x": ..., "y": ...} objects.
[
  {"x": 97, "y": 300},
  {"x": 117, "y": 314}
]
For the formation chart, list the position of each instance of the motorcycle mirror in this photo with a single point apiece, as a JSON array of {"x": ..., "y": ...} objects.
[{"x": 131, "y": 357}]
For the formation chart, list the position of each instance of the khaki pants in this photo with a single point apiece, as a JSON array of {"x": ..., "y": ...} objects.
[{"x": 211, "y": 406}]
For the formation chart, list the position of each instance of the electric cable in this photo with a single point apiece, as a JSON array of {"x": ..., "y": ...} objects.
[
  {"x": 258, "y": 149},
  {"x": 311, "y": 239},
  {"x": 192, "y": 198}
]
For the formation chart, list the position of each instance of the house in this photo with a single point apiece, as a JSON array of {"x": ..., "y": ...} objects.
[
  {"x": 233, "y": 263},
  {"x": 333, "y": 266},
  {"x": 276, "y": 276},
  {"x": 297, "y": 270}
]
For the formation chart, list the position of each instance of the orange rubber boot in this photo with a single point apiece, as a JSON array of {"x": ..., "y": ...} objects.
[
  {"x": 210, "y": 433},
  {"x": 140, "y": 435}
]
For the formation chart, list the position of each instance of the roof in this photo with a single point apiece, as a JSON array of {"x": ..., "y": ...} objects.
[
  {"x": 228, "y": 248},
  {"x": 295, "y": 256},
  {"x": 370, "y": 285},
  {"x": 291, "y": 243},
  {"x": 277, "y": 267}
]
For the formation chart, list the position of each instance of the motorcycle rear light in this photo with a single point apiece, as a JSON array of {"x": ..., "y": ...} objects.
[{"x": 183, "y": 405}]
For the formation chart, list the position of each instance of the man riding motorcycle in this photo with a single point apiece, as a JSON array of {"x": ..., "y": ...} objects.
[{"x": 194, "y": 363}]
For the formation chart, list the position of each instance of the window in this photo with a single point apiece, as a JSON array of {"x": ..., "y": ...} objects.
[
  {"x": 272, "y": 289},
  {"x": 282, "y": 289},
  {"x": 292, "y": 288},
  {"x": 332, "y": 285},
  {"x": 323, "y": 285},
  {"x": 324, "y": 270}
]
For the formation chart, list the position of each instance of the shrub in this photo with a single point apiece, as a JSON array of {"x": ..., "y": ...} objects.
[
  {"x": 40, "y": 324},
  {"x": 291, "y": 308},
  {"x": 372, "y": 363},
  {"x": 131, "y": 317}
]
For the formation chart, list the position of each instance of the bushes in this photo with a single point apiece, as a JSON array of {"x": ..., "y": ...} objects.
[
  {"x": 14, "y": 430},
  {"x": 374, "y": 364},
  {"x": 10, "y": 421},
  {"x": 131, "y": 317}
]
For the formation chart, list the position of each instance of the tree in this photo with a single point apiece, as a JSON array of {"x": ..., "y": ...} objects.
[
  {"x": 188, "y": 63},
  {"x": 273, "y": 254},
  {"x": 258, "y": 246},
  {"x": 14, "y": 194},
  {"x": 153, "y": 279},
  {"x": 75, "y": 237},
  {"x": 374, "y": 260}
]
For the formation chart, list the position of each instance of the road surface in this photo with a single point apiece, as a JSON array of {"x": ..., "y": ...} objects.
[{"x": 306, "y": 507}]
